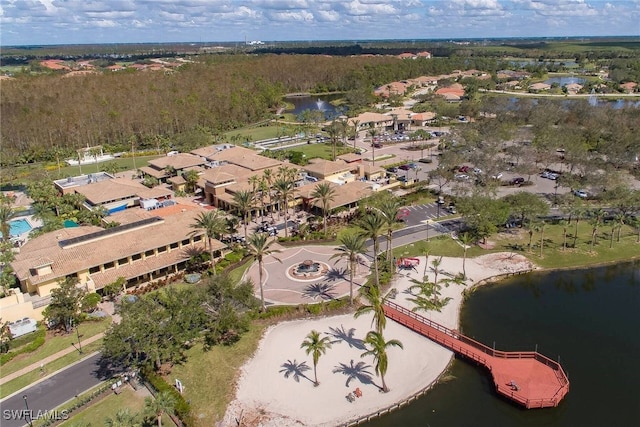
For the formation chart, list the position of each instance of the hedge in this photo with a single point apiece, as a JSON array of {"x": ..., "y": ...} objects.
[
  {"x": 37, "y": 342},
  {"x": 182, "y": 407}
]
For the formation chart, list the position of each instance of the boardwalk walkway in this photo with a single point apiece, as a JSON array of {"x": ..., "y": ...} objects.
[{"x": 526, "y": 377}]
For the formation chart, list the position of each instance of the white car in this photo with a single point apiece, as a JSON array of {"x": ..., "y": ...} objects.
[
  {"x": 581, "y": 193},
  {"x": 497, "y": 176}
]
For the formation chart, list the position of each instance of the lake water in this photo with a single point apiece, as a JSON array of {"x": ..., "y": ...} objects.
[
  {"x": 316, "y": 102},
  {"x": 588, "y": 318},
  {"x": 563, "y": 81}
]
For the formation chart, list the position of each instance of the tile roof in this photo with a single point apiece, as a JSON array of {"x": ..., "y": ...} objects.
[
  {"x": 179, "y": 161},
  {"x": 322, "y": 168},
  {"x": 119, "y": 189},
  {"x": 174, "y": 227}
]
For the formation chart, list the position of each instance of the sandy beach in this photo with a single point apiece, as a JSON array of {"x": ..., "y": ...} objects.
[{"x": 276, "y": 387}]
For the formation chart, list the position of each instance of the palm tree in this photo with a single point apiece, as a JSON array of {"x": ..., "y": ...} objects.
[
  {"x": 465, "y": 239},
  {"x": 379, "y": 352},
  {"x": 541, "y": 225},
  {"x": 325, "y": 194},
  {"x": 267, "y": 177},
  {"x": 122, "y": 418},
  {"x": 351, "y": 247},
  {"x": 373, "y": 132},
  {"x": 284, "y": 187},
  {"x": 577, "y": 213},
  {"x": 596, "y": 221},
  {"x": 164, "y": 402},
  {"x": 243, "y": 200},
  {"x": 428, "y": 296},
  {"x": 6, "y": 213},
  {"x": 315, "y": 346},
  {"x": 191, "y": 177},
  {"x": 435, "y": 267},
  {"x": 371, "y": 226},
  {"x": 389, "y": 209},
  {"x": 375, "y": 305},
  {"x": 333, "y": 132},
  {"x": 356, "y": 125},
  {"x": 259, "y": 248},
  {"x": 214, "y": 224}
]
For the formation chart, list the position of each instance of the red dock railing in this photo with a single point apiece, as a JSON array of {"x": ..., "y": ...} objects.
[{"x": 545, "y": 388}]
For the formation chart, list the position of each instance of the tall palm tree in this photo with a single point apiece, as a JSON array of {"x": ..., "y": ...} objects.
[
  {"x": 163, "y": 403},
  {"x": 315, "y": 346},
  {"x": 541, "y": 225},
  {"x": 214, "y": 224},
  {"x": 465, "y": 239},
  {"x": 373, "y": 132},
  {"x": 243, "y": 200},
  {"x": 578, "y": 212},
  {"x": 351, "y": 247},
  {"x": 267, "y": 177},
  {"x": 122, "y": 418},
  {"x": 597, "y": 217},
  {"x": 375, "y": 306},
  {"x": 389, "y": 209},
  {"x": 379, "y": 352},
  {"x": 259, "y": 248},
  {"x": 371, "y": 227},
  {"x": 333, "y": 132},
  {"x": 284, "y": 186},
  {"x": 325, "y": 194},
  {"x": 435, "y": 267},
  {"x": 356, "y": 125},
  {"x": 6, "y": 213}
]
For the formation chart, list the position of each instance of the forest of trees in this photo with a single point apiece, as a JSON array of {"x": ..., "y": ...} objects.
[{"x": 47, "y": 116}]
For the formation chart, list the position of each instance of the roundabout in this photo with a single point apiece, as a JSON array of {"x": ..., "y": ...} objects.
[{"x": 305, "y": 275}]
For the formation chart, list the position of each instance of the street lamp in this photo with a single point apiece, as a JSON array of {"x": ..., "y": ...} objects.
[
  {"x": 79, "y": 348},
  {"x": 28, "y": 413}
]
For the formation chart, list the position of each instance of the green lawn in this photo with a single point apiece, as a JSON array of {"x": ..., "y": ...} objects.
[
  {"x": 106, "y": 407},
  {"x": 209, "y": 377},
  {"x": 553, "y": 254},
  {"x": 33, "y": 376},
  {"x": 54, "y": 344}
]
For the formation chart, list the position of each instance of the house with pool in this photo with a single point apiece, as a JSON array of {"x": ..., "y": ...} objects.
[{"x": 145, "y": 247}]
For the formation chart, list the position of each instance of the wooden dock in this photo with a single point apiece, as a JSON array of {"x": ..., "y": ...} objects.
[{"x": 526, "y": 377}]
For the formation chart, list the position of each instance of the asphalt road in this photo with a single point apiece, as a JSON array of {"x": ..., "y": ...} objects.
[{"x": 51, "y": 393}]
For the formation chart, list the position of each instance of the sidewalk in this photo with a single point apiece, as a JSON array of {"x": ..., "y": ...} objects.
[{"x": 46, "y": 360}]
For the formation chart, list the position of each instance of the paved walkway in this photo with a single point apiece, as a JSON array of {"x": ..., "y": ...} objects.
[{"x": 48, "y": 359}]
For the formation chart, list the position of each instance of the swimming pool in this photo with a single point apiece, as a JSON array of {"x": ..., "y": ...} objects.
[{"x": 19, "y": 226}]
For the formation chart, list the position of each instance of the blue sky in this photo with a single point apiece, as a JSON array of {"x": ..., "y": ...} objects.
[{"x": 24, "y": 22}]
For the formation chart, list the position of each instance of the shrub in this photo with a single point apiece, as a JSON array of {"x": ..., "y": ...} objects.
[
  {"x": 182, "y": 407},
  {"x": 32, "y": 346}
]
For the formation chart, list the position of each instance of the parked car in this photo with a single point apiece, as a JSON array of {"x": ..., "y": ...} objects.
[
  {"x": 426, "y": 160},
  {"x": 405, "y": 167},
  {"x": 452, "y": 209},
  {"x": 581, "y": 193},
  {"x": 376, "y": 145},
  {"x": 463, "y": 169},
  {"x": 549, "y": 175},
  {"x": 517, "y": 181},
  {"x": 392, "y": 170},
  {"x": 497, "y": 176},
  {"x": 462, "y": 176},
  {"x": 402, "y": 178}
]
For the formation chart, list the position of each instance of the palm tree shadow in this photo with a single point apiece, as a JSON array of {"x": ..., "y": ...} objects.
[
  {"x": 336, "y": 274},
  {"x": 295, "y": 370},
  {"x": 319, "y": 290},
  {"x": 347, "y": 336},
  {"x": 358, "y": 371}
]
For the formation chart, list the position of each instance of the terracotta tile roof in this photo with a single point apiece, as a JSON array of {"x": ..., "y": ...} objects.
[
  {"x": 321, "y": 168},
  {"x": 174, "y": 227},
  {"x": 349, "y": 193},
  {"x": 179, "y": 161},
  {"x": 153, "y": 172},
  {"x": 350, "y": 157},
  {"x": 119, "y": 189}
]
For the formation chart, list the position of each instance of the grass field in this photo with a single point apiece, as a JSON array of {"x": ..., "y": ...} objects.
[
  {"x": 54, "y": 344},
  {"x": 209, "y": 377},
  {"x": 553, "y": 254},
  {"x": 96, "y": 413}
]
